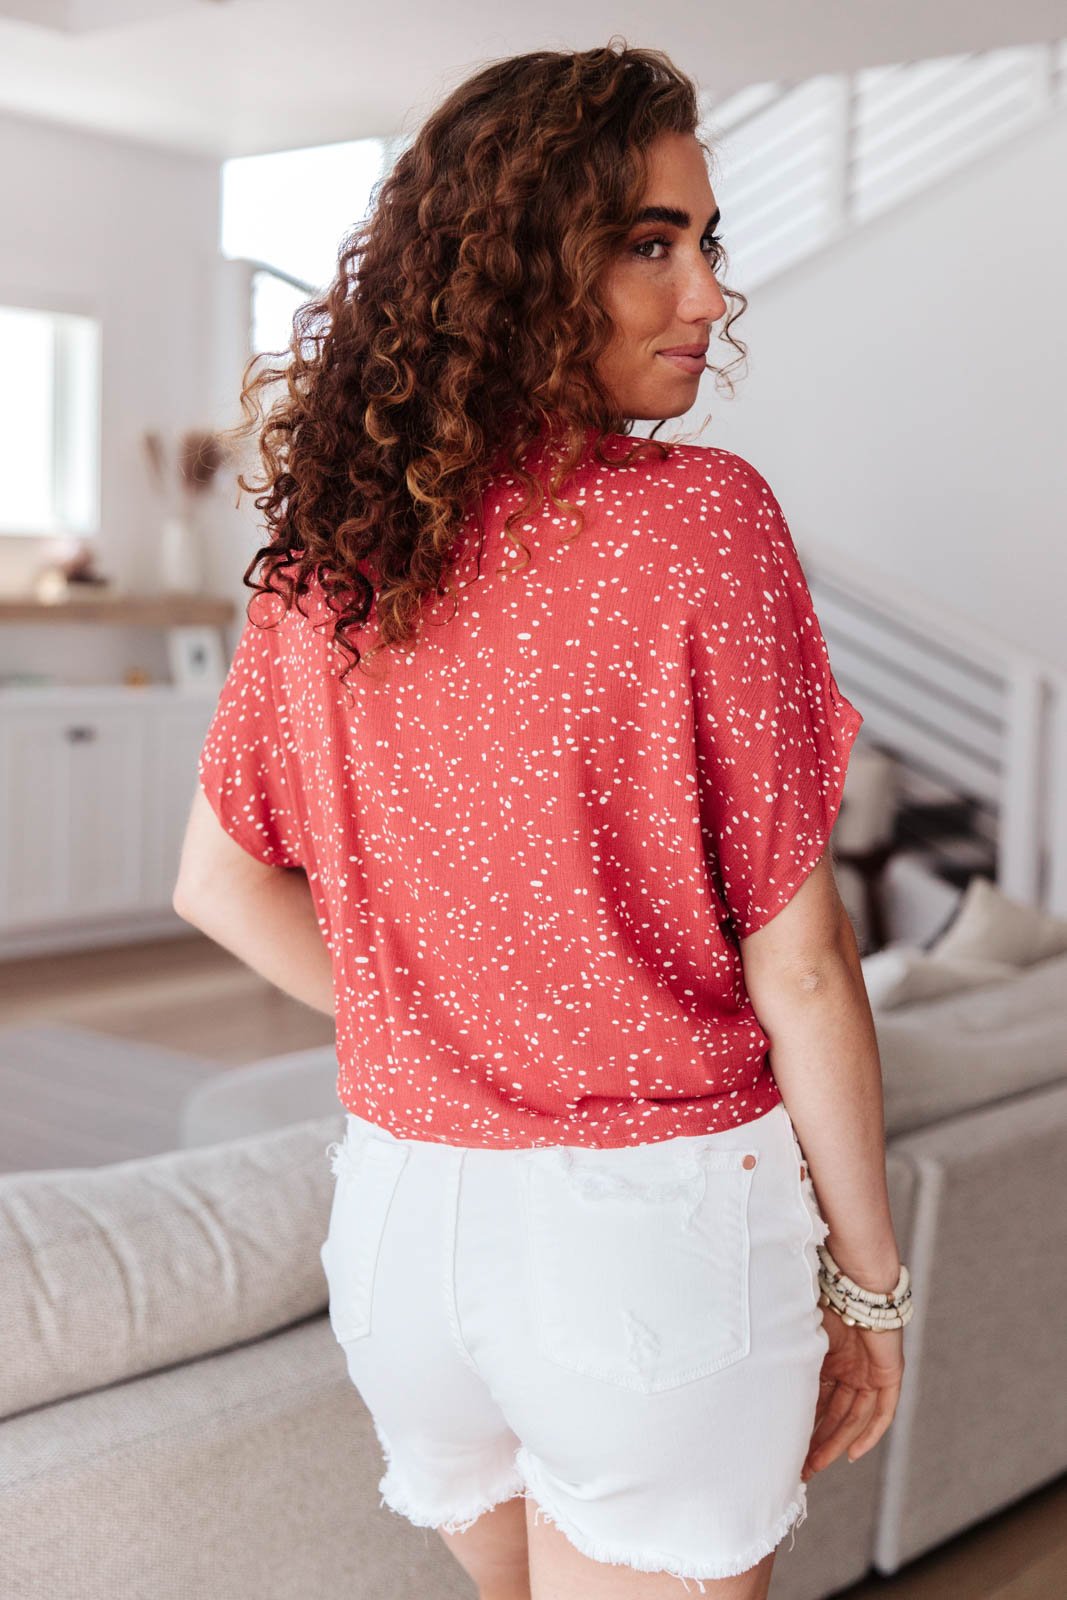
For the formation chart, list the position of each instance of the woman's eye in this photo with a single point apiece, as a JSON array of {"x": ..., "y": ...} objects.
[
  {"x": 645, "y": 244},
  {"x": 710, "y": 241}
]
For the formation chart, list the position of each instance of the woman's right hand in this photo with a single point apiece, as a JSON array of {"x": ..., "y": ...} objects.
[{"x": 859, "y": 1387}]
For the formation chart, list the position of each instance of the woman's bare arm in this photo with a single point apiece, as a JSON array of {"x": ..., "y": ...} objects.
[
  {"x": 264, "y": 915},
  {"x": 803, "y": 975}
]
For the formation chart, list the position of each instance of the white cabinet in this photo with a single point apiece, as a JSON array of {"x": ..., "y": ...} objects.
[
  {"x": 95, "y": 790},
  {"x": 171, "y": 747}
]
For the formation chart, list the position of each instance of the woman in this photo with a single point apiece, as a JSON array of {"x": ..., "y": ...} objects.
[{"x": 564, "y": 879}]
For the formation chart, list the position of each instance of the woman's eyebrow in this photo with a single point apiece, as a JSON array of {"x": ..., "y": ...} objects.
[{"x": 673, "y": 217}]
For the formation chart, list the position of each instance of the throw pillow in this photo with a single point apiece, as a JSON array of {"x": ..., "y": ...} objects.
[
  {"x": 109, "y": 1272},
  {"x": 990, "y": 926},
  {"x": 906, "y": 974},
  {"x": 948, "y": 1055}
]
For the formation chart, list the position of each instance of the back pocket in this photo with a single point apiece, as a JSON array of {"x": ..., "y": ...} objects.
[
  {"x": 639, "y": 1261},
  {"x": 367, "y": 1172}
]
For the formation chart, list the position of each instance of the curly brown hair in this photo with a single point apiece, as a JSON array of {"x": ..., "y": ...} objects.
[{"x": 463, "y": 324}]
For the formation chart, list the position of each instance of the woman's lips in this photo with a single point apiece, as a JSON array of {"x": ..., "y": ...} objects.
[{"x": 695, "y": 364}]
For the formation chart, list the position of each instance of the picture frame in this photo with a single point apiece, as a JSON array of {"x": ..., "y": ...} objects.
[{"x": 196, "y": 656}]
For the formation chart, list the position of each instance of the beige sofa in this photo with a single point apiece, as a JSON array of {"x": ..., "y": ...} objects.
[{"x": 177, "y": 1420}]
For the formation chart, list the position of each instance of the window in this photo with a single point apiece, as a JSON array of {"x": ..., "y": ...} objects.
[
  {"x": 275, "y": 301},
  {"x": 289, "y": 209},
  {"x": 49, "y": 423},
  {"x": 287, "y": 213}
]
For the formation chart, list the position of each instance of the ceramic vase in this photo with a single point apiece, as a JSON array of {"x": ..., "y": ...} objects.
[{"x": 181, "y": 554}]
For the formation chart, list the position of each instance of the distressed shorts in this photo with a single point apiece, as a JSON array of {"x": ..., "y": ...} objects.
[{"x": 630, "y": 1335}]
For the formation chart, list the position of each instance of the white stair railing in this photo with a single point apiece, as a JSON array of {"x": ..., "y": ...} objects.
[
  {"x": 799, "y": 164},
  {"x": 958, "y": 705}
]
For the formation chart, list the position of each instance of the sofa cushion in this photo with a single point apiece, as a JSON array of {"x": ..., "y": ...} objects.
[
  {"x": 250, "y": 1475},
  {"x": 947, "y": 1055},
  {"x": 110, "y": 1272},
  {"x": 989, "y": 926},
  {"x": 903, "y": 974},
  {"x": 261, "y": 1095},
  {"x": 73, "y": 1097}
]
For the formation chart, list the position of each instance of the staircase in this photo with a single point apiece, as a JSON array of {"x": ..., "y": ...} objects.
[
  {"x": 977, "y": 727},
  {"x": 804, "y": 163}
]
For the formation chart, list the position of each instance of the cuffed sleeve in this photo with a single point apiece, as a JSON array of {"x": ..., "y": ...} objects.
[
  {"x": 773, "y": 730},
  {"x": 243, "y": 768}
]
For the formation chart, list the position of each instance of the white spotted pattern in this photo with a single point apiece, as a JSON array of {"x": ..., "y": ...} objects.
[{"x": 534, "y": 842}]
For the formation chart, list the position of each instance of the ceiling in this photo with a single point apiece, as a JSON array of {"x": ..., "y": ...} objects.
[{"x": 241, "y": 77}]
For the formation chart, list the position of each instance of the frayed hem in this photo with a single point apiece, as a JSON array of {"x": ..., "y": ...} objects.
[
  {"x": 656, "y": 1561},
  {"x": 523, "y": 1477},
  {"x": 394, "y": 1493}
]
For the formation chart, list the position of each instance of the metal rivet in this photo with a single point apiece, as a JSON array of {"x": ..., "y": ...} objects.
[{"x": 749, "y": 1161}]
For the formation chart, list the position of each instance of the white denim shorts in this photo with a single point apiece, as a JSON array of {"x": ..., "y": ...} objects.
[{"x": 632, "y": 1335}]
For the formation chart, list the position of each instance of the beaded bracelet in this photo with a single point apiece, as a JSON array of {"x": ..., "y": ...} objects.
[{"x": 865, "y": 1307}]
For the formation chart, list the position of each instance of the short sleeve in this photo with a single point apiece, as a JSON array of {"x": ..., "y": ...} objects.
[
  {"x": 773, "y": 730},
  {"x": 243, "y": 767}
]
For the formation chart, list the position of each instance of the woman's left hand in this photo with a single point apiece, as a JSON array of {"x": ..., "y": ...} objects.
[{"x": 859, "y": 1387}]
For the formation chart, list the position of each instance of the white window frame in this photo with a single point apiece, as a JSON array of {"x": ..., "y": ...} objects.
[{"x": 75, "y": 443}]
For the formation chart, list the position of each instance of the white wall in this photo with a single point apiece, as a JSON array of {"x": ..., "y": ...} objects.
[
  {"x": 906, "y": 392},
  {"x": 128, "y": 233},
  {"x": 905, "y": 397}
]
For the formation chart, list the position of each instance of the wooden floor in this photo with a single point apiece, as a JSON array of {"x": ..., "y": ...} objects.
[
  {"x": 185, "y": 993},
  {"x": 189, "y": 994},
  {"x": 1020, "y": 1554}
]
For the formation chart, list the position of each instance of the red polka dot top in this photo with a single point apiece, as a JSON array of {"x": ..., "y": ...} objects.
[{"x": 534, "y": 841}]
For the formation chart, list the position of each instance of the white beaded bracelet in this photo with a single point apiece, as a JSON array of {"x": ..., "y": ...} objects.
[{"x": 865, "y": 1307}]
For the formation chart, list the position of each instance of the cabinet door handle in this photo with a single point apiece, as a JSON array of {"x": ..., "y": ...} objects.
[{"x": 80, "y": 732}]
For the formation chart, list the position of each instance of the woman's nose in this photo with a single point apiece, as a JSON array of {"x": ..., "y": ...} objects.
[{"x": 703, "y": 301}]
